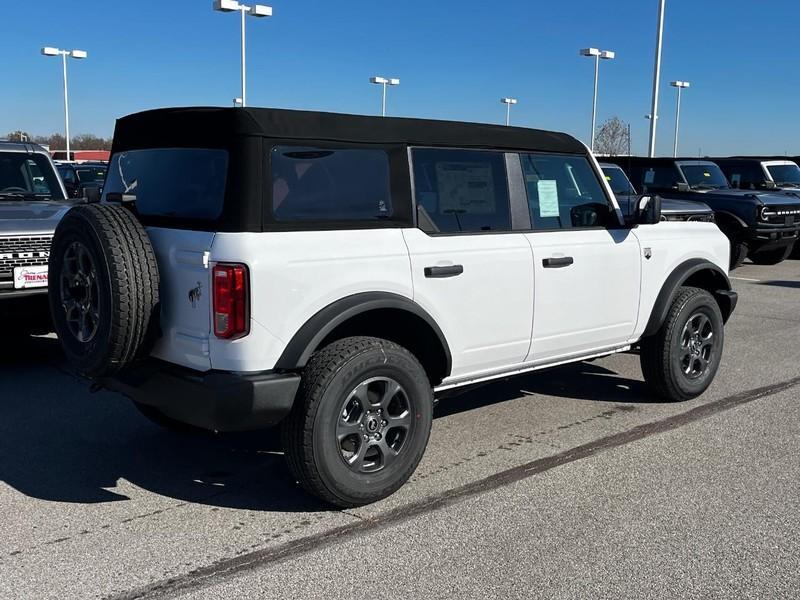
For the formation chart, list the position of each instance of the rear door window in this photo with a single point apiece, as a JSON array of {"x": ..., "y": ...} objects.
[
  {"x": 184, "y": 183},
  {"x": 330, "y": 184},
  {"x": 461, "y": 190}
]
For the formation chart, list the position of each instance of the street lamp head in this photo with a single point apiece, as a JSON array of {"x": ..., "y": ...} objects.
[
  {"x": 508, "y": 100},
  {"x": 79, "y": 54},
  {"x": 226, "y": 5},
  {"x": 259, "y": 10},
  {"x": 680, "y": 84},
  {"x": 394, "y": 81},
  {"x": 590, "y": 52},
  {"x": 378, "y": 80},
  {"x": 237, "y": 102},
  {"x": 607, "y": 54},
  {"x": 49, "y": 51}
]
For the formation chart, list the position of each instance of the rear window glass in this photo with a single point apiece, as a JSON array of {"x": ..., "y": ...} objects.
[
  {"x": 325, "y": 184},
  {"x": 186, "y": 183}
]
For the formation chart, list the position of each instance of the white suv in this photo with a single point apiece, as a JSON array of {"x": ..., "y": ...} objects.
[{"x": 332, "y": 273}]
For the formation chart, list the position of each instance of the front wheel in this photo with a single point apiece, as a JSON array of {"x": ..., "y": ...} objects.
[
  {"x": 738, "y": 253},
  {"x": 772, "y": 257},
  {"x": 361, "y": 421},
  {"x": 680, "y": 361}
]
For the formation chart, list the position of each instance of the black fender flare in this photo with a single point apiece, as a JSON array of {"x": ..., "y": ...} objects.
[
  {"x": 729, "y": 215},
  {"x": 308, "y": 338},
  {"x": 721, "y": 290}
]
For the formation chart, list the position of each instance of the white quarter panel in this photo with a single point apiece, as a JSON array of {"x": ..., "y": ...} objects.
[
  {"x": 671, "y": 243},
  {"x": 591, "y": 304},
  {"x": 485, "y": 312},
  {"x": 295, "y": 274},
  {"x": 185, "y": 295}
]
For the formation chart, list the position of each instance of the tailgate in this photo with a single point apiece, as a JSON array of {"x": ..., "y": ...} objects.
[{"x": 185, "y": 296}]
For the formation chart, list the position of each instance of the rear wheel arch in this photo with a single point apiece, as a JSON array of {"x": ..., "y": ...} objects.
[
  {"x": 375, "y": 314},
  {"x": 698, "y": 273}
]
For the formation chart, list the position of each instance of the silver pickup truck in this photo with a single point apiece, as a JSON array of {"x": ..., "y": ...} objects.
[{"x": 32, "y": 202}]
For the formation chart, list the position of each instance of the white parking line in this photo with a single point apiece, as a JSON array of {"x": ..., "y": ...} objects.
[{"x": 745, "y": 279}]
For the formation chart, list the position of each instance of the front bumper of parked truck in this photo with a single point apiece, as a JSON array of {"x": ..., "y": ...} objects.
[{"x": 217, "y": 401}]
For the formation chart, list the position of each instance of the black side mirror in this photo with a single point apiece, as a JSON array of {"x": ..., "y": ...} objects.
[
  {"x": 92, "y": 194},
  {"x": 648, "y": 211},
  {"x": 684, "y": 187}
]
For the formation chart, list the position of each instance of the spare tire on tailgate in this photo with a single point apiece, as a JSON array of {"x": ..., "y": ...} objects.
[{"x": 103, "y": 281}]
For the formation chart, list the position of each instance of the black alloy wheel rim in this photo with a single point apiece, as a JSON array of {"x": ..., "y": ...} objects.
[
  {"x": 697, "y": 346},
  {"x": 374, "y": 425},
  {"x": 80, "y": 293}
]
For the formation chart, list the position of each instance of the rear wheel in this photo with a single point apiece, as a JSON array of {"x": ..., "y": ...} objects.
[
  {"x": 361, "y": 421},
  {"x": 680, "y": 361},
  {"x": 771, "y": 257}
]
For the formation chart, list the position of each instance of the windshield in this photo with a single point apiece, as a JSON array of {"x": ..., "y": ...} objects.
[
  {"x": 186, "y": 183},
  {"x": 785, "y": 174},
  {"x": 28, "y": 176},
  {"x": 90, "y": 174},
  {"x": 618, "y": 181},
  {"x": 704, "y": 176}
]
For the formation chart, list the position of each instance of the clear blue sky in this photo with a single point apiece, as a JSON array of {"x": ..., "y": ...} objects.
[{"x": 454, "y": 58}]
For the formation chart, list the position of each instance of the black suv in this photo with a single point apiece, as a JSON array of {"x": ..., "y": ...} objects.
[
  {"x": 763, "y": 225},
  {"x": 77, "y": 177}
]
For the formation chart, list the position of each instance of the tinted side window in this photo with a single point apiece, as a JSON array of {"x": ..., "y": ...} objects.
[
  {"x": 187, "y": 183},
  {"x": 461, "y": 190},
  {"x": 564, "y": 192},
  {"x": 660, "y": 177},
  {"x": 316, "y": 184}
]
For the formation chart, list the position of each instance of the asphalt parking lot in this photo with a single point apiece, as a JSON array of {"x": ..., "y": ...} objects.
[{"x": 571, "y": 483}]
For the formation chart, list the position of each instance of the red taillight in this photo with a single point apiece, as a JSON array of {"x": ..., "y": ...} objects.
[{"x": 231, "y": 301}]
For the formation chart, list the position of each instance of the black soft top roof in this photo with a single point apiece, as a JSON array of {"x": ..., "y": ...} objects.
[{"x": 225, "y": 127}]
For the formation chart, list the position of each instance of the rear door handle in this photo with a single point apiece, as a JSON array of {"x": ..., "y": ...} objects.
[
  {"x": 557, "y": 263},
  {"x": 451, "y": 271}
]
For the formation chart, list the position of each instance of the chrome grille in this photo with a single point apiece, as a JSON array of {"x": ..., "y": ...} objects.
[{"x": 22, "y": 251}]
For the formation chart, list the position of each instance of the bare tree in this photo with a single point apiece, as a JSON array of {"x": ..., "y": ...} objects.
[
  {"x": 18, "y": 136},
  {"x": 612, "y": 138}
]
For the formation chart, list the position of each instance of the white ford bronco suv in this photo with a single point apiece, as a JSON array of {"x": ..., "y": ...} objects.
[{"x": 333, "y": 273}]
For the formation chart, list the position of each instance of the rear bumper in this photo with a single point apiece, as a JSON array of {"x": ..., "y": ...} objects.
[{"x": 218, "y": 401}]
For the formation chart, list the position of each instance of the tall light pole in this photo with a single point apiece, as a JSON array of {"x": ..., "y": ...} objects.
[
  {"x": 257, "y": 10},
  {"x": 508, "y": 102},
  {"x": 597, "y": 54},
  {"x": 656, "y": 78},
  {"x": 79, "y": 54},
  {"x": 384, "y": 81},
  {"x": 680, "y": 85}
]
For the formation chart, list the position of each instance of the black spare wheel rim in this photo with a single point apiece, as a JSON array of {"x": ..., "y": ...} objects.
[
  {"x": 698, "y": 346},
  {"x": 375, "y": 424},
  {"x": 80, "y": 295}
]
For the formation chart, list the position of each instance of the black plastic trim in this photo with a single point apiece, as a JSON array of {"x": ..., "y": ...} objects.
[
  {"x": 316, "y": 329},
  {"x": 678, "y": 277},
  {"x": 214, "y": 400}
]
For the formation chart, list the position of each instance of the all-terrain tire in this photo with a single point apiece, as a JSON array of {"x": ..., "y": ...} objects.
[
  {"x": 738, "y": 253},
  {"x": 104, "y": 297},
  {"x": 663, "y": 356},
  {"x": 772, "y": 257},
  {"x": 313, "y": 448}
]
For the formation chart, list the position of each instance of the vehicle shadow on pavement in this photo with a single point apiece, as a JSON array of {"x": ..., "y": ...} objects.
[
  {"x": 578, "y": 381},
  {"x": 61, "y": 443},
  {"x": 779, "y": 283}
]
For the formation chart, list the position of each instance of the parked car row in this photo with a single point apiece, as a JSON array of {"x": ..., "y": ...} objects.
[{"x": 760, "y": 214}]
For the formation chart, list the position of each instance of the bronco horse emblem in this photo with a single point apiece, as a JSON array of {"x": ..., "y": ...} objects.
[{"x": 195, "y": 294}]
